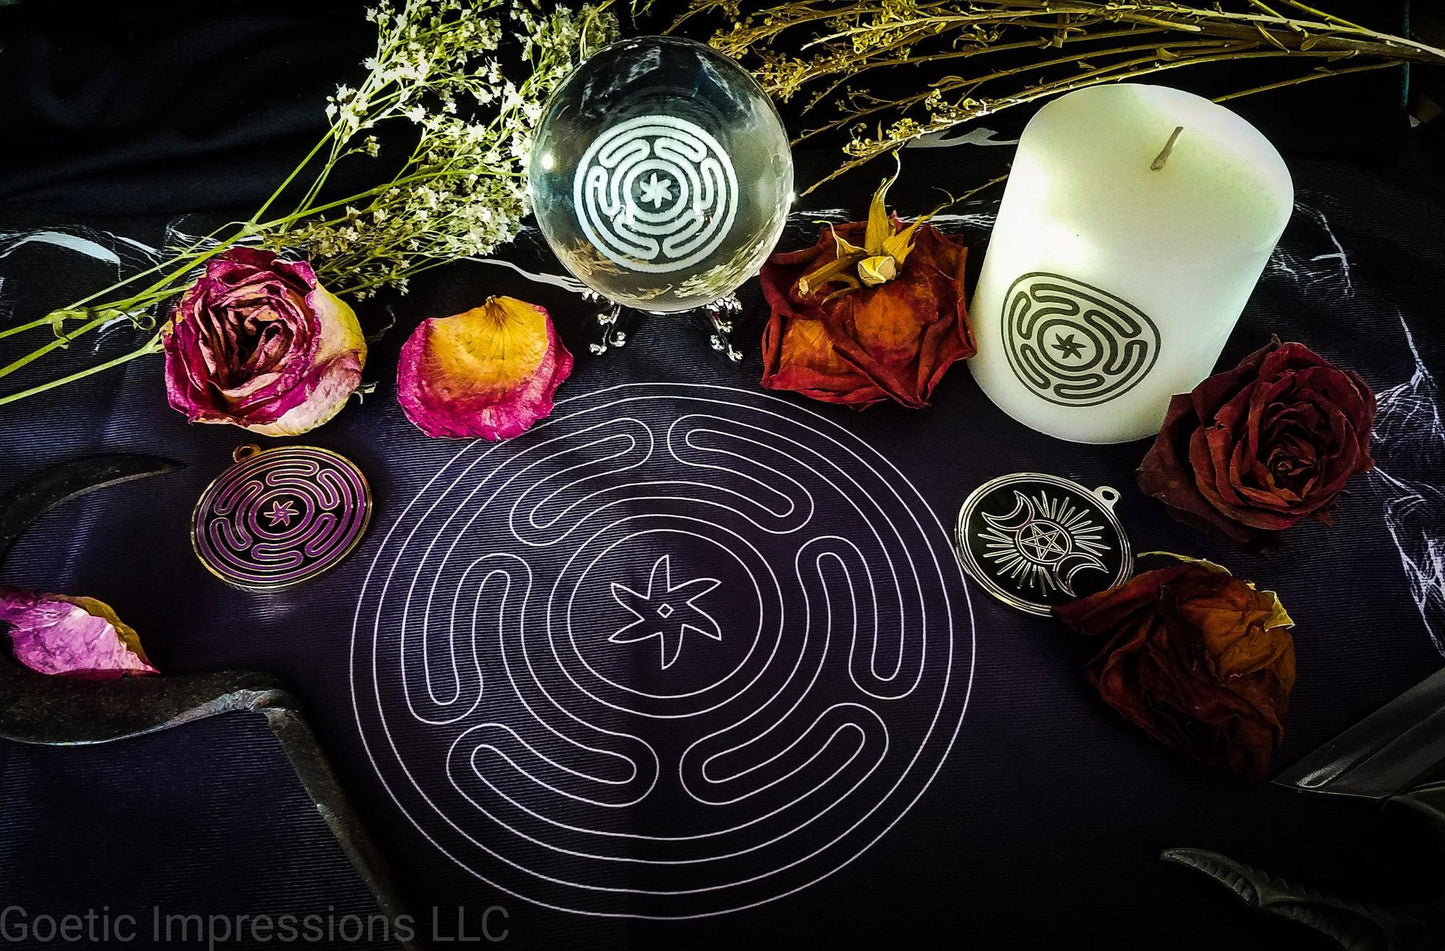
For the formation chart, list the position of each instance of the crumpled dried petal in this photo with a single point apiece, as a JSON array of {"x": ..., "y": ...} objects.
[
  {"x": 489, "y": 372},
  {"x": 886, "y": 246},
  {"x": 256, "y": 342},
  {"x": 1200, "y": 660},
  {"x": 76, "y": 637}
]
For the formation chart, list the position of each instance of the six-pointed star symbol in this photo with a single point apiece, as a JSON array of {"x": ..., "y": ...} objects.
[
  {"x": 665, "y": 611},
  {"x": 1068, "y": 346},
  {"x": 656, "y": 190},
  {"x": 281, "y": 513}
]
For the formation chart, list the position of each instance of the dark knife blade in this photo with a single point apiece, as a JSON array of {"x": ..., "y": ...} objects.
[
  {"x": 41, "y": 492},
  {"x": 60, "y": 711},
  {"x": 1387, "y": 752}
]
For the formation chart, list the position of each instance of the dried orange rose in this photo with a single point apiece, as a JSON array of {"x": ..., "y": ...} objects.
[
  {"x": 894, "y": 328},
  {"x": 489, "y": 372}
]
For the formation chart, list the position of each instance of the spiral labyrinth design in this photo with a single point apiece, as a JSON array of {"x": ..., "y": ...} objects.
[
  {"x": 280, "y": 517},
  {"x": 1074, "y": 344},
  {"x": 655, "y": 193},
  {"x": 677, "y": 651}
]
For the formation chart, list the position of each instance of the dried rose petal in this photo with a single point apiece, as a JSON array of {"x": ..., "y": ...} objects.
[
  {"x": 489, "y": 372},
  {"x": 78, "y": 637},
  {"x": 891, "y": 340}
]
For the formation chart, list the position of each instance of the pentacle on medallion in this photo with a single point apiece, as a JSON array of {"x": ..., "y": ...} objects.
[{"x": 1035, "y": 541}]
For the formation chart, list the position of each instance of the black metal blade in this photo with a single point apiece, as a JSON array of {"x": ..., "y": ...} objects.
[
  {"x": 63, "y": 711},
  {"x": 38, "y": 494},
  {"x": 1387, "y": 752}
]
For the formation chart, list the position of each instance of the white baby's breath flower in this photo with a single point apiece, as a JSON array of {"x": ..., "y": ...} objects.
[{"x": 463, "y": 192}]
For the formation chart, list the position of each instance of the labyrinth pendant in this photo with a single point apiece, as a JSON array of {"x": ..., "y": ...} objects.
[
  {"x": 279, "y": 517},
  {"x": 1036, "y": 541}
]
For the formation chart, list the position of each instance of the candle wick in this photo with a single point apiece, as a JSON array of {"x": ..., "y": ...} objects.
[{"x": 1163, "y": 156}]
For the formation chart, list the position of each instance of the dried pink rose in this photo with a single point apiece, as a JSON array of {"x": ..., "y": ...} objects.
[
  {"x": 258, "y": 343},
  {"x": 489, "y": 372},
  {"x": 77, "y": 637}
]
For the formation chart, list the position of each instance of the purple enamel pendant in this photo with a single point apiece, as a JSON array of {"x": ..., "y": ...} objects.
[{"x": 281, "y": 516}]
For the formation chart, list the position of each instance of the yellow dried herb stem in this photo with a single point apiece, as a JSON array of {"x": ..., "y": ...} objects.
[
  {"x": 971, "y": 83},
  {"x": 842, "y": 41}
]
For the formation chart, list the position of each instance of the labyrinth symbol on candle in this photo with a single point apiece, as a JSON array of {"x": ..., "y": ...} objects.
[
  {"x": 280, "y": 516},
  {"x": 655, "y": 193},
  {"x": 677, "y": 651},
  {"x": 1074, "y": 344}
]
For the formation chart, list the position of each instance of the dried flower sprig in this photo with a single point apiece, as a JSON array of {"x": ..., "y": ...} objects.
[
  {"x": 877, "y": 261},
  {"x": 829, "y": 52},
  {"x": 438, "y": 65},
  {"x": 463, "y": 190}
]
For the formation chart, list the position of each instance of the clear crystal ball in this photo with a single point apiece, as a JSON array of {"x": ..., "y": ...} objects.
[{"x": 661, "y": 174}]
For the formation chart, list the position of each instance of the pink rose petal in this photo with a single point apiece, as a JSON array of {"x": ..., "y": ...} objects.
[
  {"x": 489, "y": 372},
  {"x": 78, "y": 637}
]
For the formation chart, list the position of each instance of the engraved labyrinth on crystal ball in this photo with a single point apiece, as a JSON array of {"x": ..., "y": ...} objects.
[
  {"x": 661, "y": 174},
  {"x": 1074, "y": 344},
  {"x": 655, "y": 194},
  {"x": 679, "y": 650}
]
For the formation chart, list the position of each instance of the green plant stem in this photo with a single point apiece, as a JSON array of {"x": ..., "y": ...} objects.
[
  {"x": 187, "y": 256},
  {"x": 174, "y": 270},
  {"x": 129, "y": 307},
  {"x": 376, "y": 282},
  {"x": 153, "y": 345},
  {"x": 58, "y": 343},
  {"x": 952, "y": 84},
  {"x": 1306, "y": 78},
  {"x": 1125, "y": 70},
  {"x": 385, "y": 94},
  {"x": 79, "y": 306},
  {"x": 275, "y": 195},
  {"x": 166, "y": 286},
  {"x": 53, "y": 319}
]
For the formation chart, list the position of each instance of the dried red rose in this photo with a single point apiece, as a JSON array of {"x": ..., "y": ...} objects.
[
  {"x": 1200, "y": 660},
  {"x": 1258, "y": 448},
  {"x": 893, "y": 330}
]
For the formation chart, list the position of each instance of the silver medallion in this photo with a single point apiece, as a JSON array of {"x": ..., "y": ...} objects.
[{"x": 1035, "y": 541}]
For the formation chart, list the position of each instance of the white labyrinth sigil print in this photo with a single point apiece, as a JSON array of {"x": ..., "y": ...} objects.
[
  {"x": 679, "y": 650},
  {"x": 656, "y": 194}
]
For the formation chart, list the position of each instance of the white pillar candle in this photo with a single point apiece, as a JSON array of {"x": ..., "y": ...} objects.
[{"x": 1117, "y": 268}]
